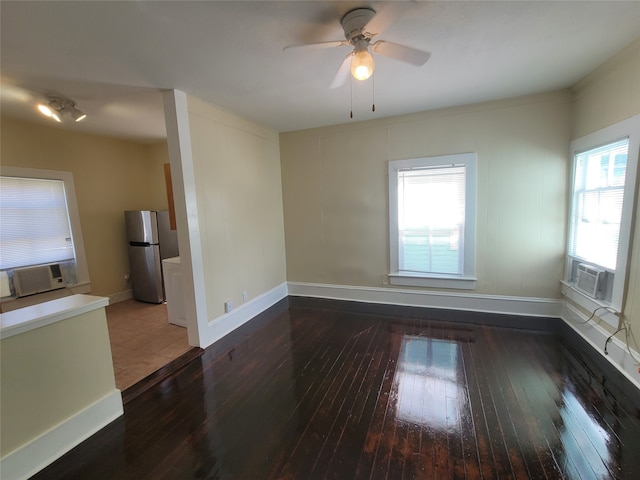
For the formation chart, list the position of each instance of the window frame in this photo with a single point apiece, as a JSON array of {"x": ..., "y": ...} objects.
[
  {"x": 629, "y": 128},
  {"x": 464, "y": 281},
  {"x": 82, "y": 284}
]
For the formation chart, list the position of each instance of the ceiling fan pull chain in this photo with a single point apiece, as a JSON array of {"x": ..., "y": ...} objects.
[
  {"x": 373, "y": 92},
  {"x": 351, "y": 97}
]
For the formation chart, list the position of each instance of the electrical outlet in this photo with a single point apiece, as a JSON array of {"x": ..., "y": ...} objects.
[
  {"x": 245, "y": 296},
  {"x": 228, "y": 306}
]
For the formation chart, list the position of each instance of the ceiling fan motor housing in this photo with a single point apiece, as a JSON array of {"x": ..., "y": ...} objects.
[{"x": 354, "y": 22}]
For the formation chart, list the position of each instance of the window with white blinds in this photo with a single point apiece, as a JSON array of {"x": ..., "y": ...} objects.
[
  {"x": 432, "y": 220},
  {"x": 596, "y": 210},
  {"x": 34, "y": 222},
  {"x": 599, "y": 237}
]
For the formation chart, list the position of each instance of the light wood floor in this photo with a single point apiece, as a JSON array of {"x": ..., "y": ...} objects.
[{"x": 142, "y": 340}]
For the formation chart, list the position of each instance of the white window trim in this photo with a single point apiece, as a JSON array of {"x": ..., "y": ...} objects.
[
  {"x": 626, "y": 128},
  {"x": 466, "y": 281},
  {"x": 82, "y": 270}
]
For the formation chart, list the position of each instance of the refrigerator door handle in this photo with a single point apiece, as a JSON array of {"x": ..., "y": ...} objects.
[{"x": 140, "y": 244}]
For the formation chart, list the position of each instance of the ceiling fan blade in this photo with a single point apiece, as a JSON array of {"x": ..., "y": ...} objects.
[
  {"x": 343, "y": 72},
  {"x": 401, "y": 52},
  {"x": 334, "y": 43},
  {"x": 380, "y": 23}
]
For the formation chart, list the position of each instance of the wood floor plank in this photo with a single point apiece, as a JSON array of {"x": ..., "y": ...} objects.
[
  {"x": 369, "y": 461},
  {"x": 332, "y": 411},
  {"x": 537, "y": 458},
  {"x": 346, "y": 454},
  {"x": 538, "y": 397},
  {"x": 493, "y": 406},
  {"x": 323, "y": 374},
  {"x": 468, "y": 431},
  {"x": 481, "y": 410},
  {"x": 343, "y": 439}
]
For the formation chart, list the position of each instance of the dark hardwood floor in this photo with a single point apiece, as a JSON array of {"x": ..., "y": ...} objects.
[{"x": 321, "y": 389}]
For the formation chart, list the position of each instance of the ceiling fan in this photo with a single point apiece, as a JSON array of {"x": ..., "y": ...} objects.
[{"x": 360, "y": 61}]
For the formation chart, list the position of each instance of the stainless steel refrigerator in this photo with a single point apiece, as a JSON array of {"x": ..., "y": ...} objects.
[{"x": 150, "y": 241}]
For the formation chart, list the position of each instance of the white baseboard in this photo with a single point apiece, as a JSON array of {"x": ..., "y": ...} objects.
[
  {"x": 120, "y": 296},
  {"x": 527, "y": 306},
  {"x": 596, "y": 336},
  {"x": 225, "y": 324},
  {"x": 51, "y": 445}
]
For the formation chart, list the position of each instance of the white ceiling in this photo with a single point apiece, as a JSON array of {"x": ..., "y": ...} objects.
[{"x": 114, "y": 58}]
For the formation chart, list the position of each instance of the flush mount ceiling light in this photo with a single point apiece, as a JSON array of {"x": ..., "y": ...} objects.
[{"x": 57, "y": 105}]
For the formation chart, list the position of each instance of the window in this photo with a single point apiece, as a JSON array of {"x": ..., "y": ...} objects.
[
  {"x": 34, "y": 222},
  {"x": 432, "y": 221},
  {"x": 39, "y": 224},
  {"x": 598, "y": 191},
  {"x": 603, "y": 186}
]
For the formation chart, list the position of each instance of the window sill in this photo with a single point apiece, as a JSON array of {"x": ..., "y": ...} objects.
[{"x": 435, "y": 281}]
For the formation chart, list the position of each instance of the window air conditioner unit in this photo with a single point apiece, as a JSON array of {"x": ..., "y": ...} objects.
[
  {"x": 31, "y": 280},
  {"x": 589, "y": 279}
]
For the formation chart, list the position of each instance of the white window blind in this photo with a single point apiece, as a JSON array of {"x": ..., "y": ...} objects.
[
  {"x": 34, "y": 222},
  {"x": 596, "y": 212},
  {"x": 431, "y": 218}
]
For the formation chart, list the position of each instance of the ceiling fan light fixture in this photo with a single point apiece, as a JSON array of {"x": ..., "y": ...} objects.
[
  {"x": 362, "y": 64},
  {"x": 359, "y": 30}
]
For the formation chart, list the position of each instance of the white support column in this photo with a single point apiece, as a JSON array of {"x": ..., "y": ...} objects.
[{"x": 186, "y": 205}]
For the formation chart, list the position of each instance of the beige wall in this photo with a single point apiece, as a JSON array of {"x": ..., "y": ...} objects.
[
  {"x": 335, "y": 192},
  {"x": 609, "y": 94},
  {"x": 110, "y": 176},
  {"x": 239, "y": 200},
  {"x": 606, "y": 96}
]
